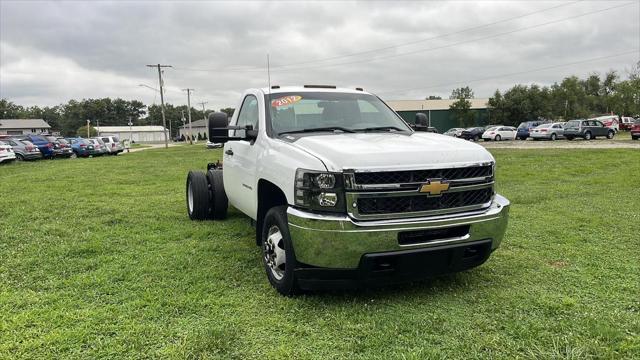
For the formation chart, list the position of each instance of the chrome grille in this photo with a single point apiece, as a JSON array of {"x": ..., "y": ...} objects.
[
  {"x": 395, "y": 194},
  {"x": 415, "y": 203},
  {"x": 411, "y": 176}
]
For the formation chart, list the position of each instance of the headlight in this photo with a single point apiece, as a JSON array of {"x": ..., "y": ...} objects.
[{"x": 320, "y": 191}]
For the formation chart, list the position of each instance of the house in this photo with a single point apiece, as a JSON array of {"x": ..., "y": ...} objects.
[
  {"x": 23, "y": 126},
  {"x": 139, "y": 134},
  {"x": 197, "y": 127},
  {"x": 438, "y": 111}
]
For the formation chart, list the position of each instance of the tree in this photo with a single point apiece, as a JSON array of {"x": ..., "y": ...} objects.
[
  {"x": 82, "y": 131},
  {"x": 228, "y": 111},
  {"x": 461, "y": 108}
]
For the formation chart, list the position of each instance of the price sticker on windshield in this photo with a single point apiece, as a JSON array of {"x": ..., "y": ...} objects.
[{"x": 286, "y": 100}]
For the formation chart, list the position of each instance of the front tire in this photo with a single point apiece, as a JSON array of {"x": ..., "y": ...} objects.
[
  {"x": 553, "y": 137},
  {"x": 197, "y": 189},
  {"x": 476, "y": 138},
  {"x": 277, "y": 252}
]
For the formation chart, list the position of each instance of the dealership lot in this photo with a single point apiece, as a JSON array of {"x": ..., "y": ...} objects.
[{"x": 116, "y": 269}]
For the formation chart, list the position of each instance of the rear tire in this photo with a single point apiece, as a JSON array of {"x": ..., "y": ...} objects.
[
  {"x": 635, "y": 137},
  {"x": 610, "y": 134},
  {"x": 587, "y": 135},
  {"x": 197, "y": 189},
  {"x": 277, "y": 252},
  {"x": 553, "y": 137},
  {"x": 498, "y": 138},
  {"x": 476, "y": 138},
  {"x": 219, "y": 201},
  {"x": 19, "y": 157}
]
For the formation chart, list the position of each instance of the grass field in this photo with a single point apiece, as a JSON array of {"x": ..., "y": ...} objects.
[{"x": 98, "y": 259}]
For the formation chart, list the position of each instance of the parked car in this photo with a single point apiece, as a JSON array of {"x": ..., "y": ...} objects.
[
  {"x": 6, "y": 153},
  {"x": 635, "y": 130},
  {"x": 610, "y": 121},
  {"x": 586, "y": 129},
  {"x": 81, "y": 147},
  {"x": 524, "y": 128},
  {"x": 60, "y": 149},
  {"x": 499, "y": 132},
  {"x": 455, "y": 132},
  {"x": 98, "y": 145},
  {"x": 113, "y": 144},
  {"x": 45, "y": 146},
  {"x": 23, "y": 149},
  {"x": 547, "y": 131},
  {"x": 626, "y": 122},
  {"x": 473, "y": 133}
]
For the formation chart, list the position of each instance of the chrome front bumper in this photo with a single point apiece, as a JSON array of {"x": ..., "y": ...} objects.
[{"x": 340, "y": 242}]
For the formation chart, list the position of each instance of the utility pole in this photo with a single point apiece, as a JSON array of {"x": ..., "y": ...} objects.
[
  {"x": 88, "y": 134},
  {"x": 189, "y": 112},
  {"x": 204, "y": 116},
  {"x": 164, "y": 120}
]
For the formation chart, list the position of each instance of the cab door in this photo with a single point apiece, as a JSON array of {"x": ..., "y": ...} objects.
[{"x": 240, "y": 160}]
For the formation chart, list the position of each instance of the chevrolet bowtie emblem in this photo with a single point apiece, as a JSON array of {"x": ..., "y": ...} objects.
[{"x": 434, "y": 187}]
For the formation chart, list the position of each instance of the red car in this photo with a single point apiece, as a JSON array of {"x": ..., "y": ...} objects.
[{"x": 635, "y": 130}]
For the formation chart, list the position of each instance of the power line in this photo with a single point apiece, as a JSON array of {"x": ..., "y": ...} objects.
[
  {"x": 462, "y": 42},
  {"x": 429, "y": 38},
  {"x": 511, "y": 74},
  {"x": 280, "y": 68}
]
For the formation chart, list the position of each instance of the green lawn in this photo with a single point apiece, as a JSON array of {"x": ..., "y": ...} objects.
[{"x": 98, "y": 259}]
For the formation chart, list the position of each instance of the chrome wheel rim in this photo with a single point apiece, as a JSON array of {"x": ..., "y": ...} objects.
[
  {"x": 274, "y": 253},
  {"x": 190, "y": 198}
]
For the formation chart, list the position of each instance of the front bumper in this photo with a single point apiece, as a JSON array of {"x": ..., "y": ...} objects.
[{"x": 339, "y": 242}]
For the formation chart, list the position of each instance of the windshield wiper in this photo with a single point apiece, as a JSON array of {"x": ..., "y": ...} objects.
[
  {"x": 328, "y": 128},
  {"x": 380, "y": 128}
]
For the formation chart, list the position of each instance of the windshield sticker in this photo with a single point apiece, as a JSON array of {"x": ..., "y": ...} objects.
[{"x": 287, "y": 100}]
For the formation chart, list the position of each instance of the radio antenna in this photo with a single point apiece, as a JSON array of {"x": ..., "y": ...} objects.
[{"x": 268, "y": 75}]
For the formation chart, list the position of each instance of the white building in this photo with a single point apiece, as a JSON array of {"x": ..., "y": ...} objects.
[
  {"x": 139, "y": 134},
  {"x": 23, "y": 126}
]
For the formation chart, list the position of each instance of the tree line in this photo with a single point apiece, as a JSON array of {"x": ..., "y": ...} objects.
[
  {"x": 572, "y": 98},
  {"x": 71, "y": 118}
]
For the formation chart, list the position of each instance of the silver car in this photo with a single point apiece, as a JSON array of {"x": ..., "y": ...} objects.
[
  {"x": 547, "y": 131},
  {"x": 455, "y": 132},
  {"x": 24, "y": 149},
  {"x": 113, "y": 144}
]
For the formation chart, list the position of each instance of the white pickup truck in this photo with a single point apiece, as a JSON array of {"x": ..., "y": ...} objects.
[{"x": 343, "y": 192}]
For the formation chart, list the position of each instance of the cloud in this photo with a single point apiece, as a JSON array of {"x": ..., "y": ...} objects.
[{"x": 51, "y": 52}]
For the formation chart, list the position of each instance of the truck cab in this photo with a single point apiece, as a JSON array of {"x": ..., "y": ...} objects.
[{"x": 343, "y": 192}]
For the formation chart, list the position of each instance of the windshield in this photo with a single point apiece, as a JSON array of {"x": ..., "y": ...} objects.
[
  {"x": 523, "y": 125},
  {"x": 347, "y": 112}
]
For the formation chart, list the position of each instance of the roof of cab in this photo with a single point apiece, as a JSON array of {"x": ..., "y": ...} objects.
[{"x": 310, "y": 88}]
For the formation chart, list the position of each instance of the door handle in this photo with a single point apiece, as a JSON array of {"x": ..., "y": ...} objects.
[{"x": 229, "y": 152}]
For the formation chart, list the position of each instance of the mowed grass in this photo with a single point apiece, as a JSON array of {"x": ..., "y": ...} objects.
[{"x": 98, "y": 259}]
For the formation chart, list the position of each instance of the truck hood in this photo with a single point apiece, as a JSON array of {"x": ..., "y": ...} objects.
[{"x": 388, "y": 151}]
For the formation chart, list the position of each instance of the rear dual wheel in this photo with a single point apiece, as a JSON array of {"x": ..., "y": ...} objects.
[{"x": 205, "y": 195}]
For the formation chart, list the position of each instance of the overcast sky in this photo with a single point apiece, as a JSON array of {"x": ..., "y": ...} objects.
[{"x": 51, "y": 52}]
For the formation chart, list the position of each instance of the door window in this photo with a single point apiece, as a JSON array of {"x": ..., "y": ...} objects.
[{"x": 248, "y": 112}]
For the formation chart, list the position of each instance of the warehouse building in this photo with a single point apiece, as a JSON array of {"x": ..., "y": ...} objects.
[
  {"x": 438, "y": 111},
  {"x": 138, "y": 134},
  {"x": 23, "y": 126}
]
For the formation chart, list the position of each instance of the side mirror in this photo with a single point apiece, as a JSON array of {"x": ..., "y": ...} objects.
[
  {"x": 218, "y": 131},
  {"x": 421, "y": 122}
]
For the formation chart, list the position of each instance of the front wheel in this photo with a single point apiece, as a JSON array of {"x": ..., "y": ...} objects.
[
  {"x": 197, "y": 189},
  {"x": 476, "y": 138},
  {"x": 553, "y": 137},
  {"x": 277, "y": 252}
]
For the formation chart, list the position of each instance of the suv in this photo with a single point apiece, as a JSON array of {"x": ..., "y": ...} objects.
[
  {"x": 331, "y": 180},
  {"x": 61, "y": 148},
  {"x": 610, "y": 121},
  {"x": 113, "y": 144},
  {"x": 45, "y": 146},
  {"x": 586, "y": 129},
  {"x": 23, "y": 149},
  {"x": 524, "y": 129}
]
